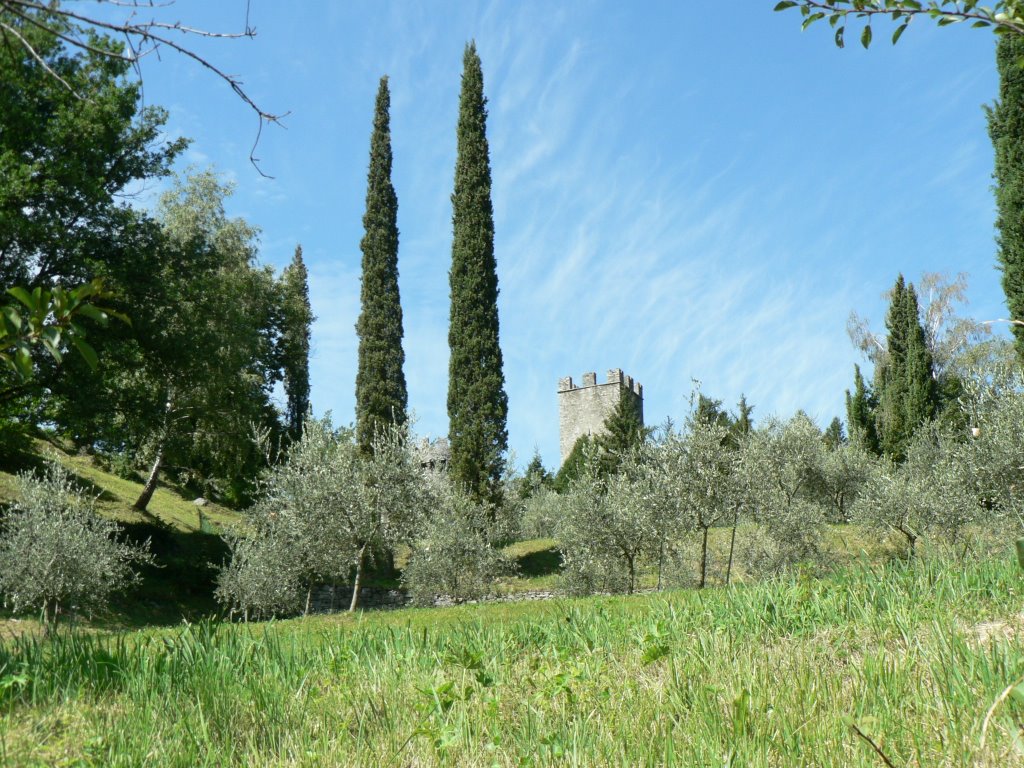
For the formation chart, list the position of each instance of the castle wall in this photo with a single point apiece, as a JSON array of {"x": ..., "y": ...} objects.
[{"x": 583, "y": 409}]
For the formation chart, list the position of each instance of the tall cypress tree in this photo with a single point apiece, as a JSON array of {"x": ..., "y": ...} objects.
[
  {"x": 297, "y": 316},
  {"x": 922, "y": 398},
  {"x": 906, "y": 389},
  {"x": 1006, "y": 128},
  {"x": 381, "y": 395},
  {"x": 891, "y": 378},
  {"x": 860, "y": 414},
  {"x": 477, "y": 403}
]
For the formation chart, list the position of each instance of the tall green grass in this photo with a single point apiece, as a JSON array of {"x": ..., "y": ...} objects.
[{"x": 773, "y": 674}]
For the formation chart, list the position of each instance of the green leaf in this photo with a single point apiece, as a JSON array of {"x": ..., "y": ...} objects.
[
  {"x": 865, "y": 36},
  {"x": 23, "y": 362},
  {"x": 840, "y": 42},
  {"x": 785, "y": 4},
  {"x": 51, "y": 340},
  {"x": 898, "y": 33},
  {"x": 86, "y": 351},
  {"x": 811, "y": 19},
  {"x": 11, "y": 318},
  {"x": 22, "y": 295},
  {"x": 1017, "y": 694},
  {"x": 94, "y": 313}
]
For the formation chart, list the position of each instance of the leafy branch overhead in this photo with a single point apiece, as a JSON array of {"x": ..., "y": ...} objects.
[
  {"x": 1003, "y": 17},
  {"x": 50, "y": 317}
]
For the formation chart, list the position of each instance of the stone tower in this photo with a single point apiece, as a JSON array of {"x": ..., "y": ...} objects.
[{"x": 582, "y": 409}]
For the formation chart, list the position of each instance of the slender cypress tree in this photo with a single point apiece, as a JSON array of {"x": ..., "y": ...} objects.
[
  {"x": 381, "y": 395},
  {"x": 860, "y": 414},
  {"x": 477, "y": 403},
  {"x": 891, "y": 378},
  {"x": 922, "y": 398},
  {"x": 297, "y": 315},
  {"x": 907, "y": 391},
  {"x": 1006, "y": 128}
]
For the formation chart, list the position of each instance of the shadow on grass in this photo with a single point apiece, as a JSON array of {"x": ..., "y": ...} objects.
[
  {"x": 178, "y": 585},
  {"x": 544, "y": 562}
]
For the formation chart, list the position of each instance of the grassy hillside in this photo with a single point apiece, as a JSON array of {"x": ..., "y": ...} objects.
[
  {"x": 906, "y": 659},
  {"x": 115, "y": 495}
]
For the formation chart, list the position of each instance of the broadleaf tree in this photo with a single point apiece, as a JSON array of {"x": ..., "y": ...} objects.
[{"x": 1004, "y": 17}]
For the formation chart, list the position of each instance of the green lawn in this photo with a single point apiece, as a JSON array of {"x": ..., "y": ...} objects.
[{"x": 774, "y": 674}]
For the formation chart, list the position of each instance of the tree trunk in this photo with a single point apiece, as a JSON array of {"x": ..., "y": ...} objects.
[
  {"x": 703, "y": 560},
  {"x": 309, "y": 599},
  {"x": 732, "y": 543},
  {"x": 358, "y": 581},
  {"x": 632, "y": 575},
  {"x": 661, "y": 562},
  {"x": 150, "y": 487}
]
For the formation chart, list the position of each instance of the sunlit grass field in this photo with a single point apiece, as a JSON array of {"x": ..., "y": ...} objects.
[{"x": 905, "y": 660}]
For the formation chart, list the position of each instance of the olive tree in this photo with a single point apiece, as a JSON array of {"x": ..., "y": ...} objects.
[
  {"x": 697, "y": 479},
  {"x": 844, "y": 472},
  {"x": 925, "y": 498},
  {"x": 454, "y": 554},
  {"x": 992, "y": 458},
  {"x": 57, "y": 554},
  {"x": 612, "y": 525},
  {"x": 780, "y": 467},
  {"x": 325, "y": 510}
]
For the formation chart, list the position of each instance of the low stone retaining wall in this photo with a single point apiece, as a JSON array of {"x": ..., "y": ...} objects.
[{"x": 331, "y": 599}]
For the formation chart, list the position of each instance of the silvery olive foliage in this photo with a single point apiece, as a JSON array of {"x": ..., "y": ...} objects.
[
  {"x": 780, "y": 469},
  {"x": 923, "y": 499},
  {"x": 845, "y": 471},
  {"x": 696, "y": 472},
  {"x": 612, "y": 526},
  {"x": 992, "y": 457},
  {"x": 454, "y": 556},
  {"x": 57, "y": 554},
  {"x": 541, "y": 513},
  {"x": 324, "y": 511}
]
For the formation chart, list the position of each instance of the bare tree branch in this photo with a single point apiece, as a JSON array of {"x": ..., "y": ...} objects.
[{"x": 142, "y": 37}]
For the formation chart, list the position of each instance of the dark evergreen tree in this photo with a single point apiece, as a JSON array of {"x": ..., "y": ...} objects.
[
  {"x": 535, "y": 477},
  {"x": 906, "y": 390},
  {"x": 834, "y": 435},
  {"x": 742, "y": 423},
  {"x": 922, "y": 403},
  {"x": 477, "y": 403},
  {"x": 1006, "y": 128},
  {"x": 381, "y": 395},
  {"x": 891, "y": 378},
  {"x": 709, "y": 411},
  {"x": 583, "y": 450},
  {"x": 624, "y": 430},
  {"x": 860, "y": 414},
  {"x": 296, "y": 323}
]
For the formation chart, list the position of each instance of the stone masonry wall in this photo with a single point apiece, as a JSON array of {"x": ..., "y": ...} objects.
[{"x": 583, "y": 409}]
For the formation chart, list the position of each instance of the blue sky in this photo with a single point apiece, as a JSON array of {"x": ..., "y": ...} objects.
[{"x": 681, "y": 190}]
